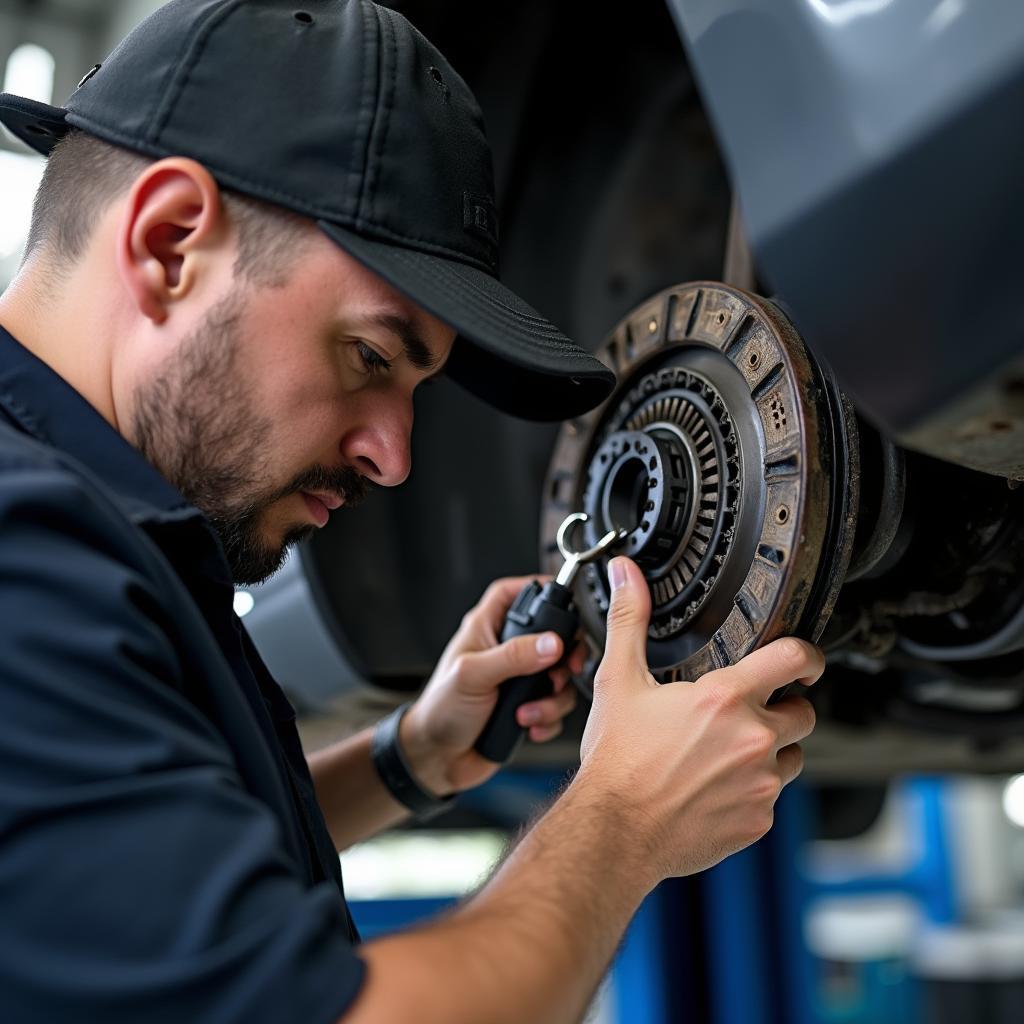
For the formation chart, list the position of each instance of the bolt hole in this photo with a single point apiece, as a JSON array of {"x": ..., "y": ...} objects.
[
  {"x": 754, "y": 359},
  {"x": 781, "y": 515},
  {"x": 303, "y": 17},
  {"x": 721, "y": 318}
]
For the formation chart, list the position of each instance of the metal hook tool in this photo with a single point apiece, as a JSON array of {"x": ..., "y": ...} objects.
[
  {"x": 574, "y": 559},
  {"x": 538, "y": 609}
]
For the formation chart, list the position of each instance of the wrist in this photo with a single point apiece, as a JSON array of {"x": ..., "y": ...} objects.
[
  {"x": 630, "y": 836},
  {"x": 396, "y": 773},
  {"x": 424, "y": 757}
]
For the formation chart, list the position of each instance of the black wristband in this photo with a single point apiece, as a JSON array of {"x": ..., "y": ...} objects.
[{"x": 389, "y": 760}]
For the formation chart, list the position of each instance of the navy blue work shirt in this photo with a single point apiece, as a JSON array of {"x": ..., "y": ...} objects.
[{"x": 162, "y": 854}]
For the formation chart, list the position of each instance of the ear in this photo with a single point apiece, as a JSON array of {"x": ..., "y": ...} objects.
[{"x": 172, "y": 217}]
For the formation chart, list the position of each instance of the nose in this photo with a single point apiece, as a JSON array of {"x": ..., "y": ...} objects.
[{"x": 379, "y": 443}]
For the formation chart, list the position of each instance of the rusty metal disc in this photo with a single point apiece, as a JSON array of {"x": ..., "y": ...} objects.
[{"x": 731, "y": 459}]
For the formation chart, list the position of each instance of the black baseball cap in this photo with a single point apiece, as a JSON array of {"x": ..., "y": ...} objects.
[{"x": 343, "y": 112}]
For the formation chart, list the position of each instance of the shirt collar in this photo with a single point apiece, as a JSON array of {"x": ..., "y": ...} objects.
[{"x": 50, "y": 410}]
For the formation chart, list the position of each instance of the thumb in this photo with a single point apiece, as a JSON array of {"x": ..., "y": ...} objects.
[{"x": 628, "y": 617}]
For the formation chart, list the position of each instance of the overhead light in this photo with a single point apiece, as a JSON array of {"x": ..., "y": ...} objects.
[
  {"x": 30, "y": 70},
  {"x": 1013, "y": 800},
  {"x": 244, "y": 603}
]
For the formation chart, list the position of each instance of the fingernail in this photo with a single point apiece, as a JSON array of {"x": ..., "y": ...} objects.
[
  {"x": 616, "y": 573},
  {"x": 547, "y": 644}
]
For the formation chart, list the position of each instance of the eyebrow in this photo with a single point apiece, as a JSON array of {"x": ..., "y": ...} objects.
[{"x": 417, "y": 351}]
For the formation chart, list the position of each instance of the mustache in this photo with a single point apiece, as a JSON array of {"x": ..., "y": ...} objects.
[{"x": 352, "y": 487}]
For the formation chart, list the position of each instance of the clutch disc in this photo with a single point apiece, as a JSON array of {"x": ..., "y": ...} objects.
[{"x": 730, "y": 457}]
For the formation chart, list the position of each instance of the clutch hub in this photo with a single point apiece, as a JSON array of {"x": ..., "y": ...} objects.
[
  {"x": 725, "y": 452},
  {"x": 672, "y": 474}
]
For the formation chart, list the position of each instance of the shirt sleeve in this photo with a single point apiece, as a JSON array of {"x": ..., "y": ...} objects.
[{"x": 139, "y": 880}]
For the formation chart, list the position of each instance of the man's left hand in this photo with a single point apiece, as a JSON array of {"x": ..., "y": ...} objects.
[{"x": 439, "y": 730}]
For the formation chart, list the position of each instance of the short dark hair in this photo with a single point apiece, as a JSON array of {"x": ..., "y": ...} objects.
[{"x": 84, "y": 175}]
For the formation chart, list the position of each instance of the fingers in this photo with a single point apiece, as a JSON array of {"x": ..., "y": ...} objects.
[
  {"x": 791, "y": 763},
  {"x": 625, "y": 652},
  {"x": 482, "y": 671},
  {"x": 571, "y": 666},
  {"x": 792, "y": 718},
  {"x": 498, "y": 598},
  {"x": 547, "y": 712},
  {"x": 759, "y": 674},
  {"x": 560, "y": 676},
  {"x": 543, "y": 733},
  {"x": 577, "y": 659}
]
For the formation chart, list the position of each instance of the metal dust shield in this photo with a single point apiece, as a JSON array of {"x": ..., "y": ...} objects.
[{"x": 731, "y": 458}]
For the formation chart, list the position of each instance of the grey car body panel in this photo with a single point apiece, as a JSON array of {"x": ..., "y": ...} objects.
[{"x": 878, "y": 153}]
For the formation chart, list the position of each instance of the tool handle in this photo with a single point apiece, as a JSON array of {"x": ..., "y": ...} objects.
[{"x": 537, "y": 609}]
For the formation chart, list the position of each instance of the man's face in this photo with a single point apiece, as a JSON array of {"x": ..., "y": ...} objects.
[{"x": 287, "y": 402}]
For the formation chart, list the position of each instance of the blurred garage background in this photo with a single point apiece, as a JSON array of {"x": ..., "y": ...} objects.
[{"x": 881, "y": 895}]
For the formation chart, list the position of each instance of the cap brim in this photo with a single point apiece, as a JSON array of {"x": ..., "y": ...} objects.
[
  {"x": 506, "y": 352},
  {"x": 39, "y": 125}
]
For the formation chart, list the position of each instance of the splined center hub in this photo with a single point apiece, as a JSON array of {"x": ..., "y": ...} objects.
[
  {"x": 670, "y": 473},
  {"x": 644, "y": 483}
]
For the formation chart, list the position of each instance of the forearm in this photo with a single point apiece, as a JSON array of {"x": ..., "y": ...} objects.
[
  {"x": 355, "y": 802},
  {"x": 534, "y": 943}
]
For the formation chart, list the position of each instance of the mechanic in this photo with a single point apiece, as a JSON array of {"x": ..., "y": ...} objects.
[{"x": 259, "y": 229}]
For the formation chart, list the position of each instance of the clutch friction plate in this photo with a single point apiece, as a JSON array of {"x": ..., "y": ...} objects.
[{"x": 731, "y": 459}]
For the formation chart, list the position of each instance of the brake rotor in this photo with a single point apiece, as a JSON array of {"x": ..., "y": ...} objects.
[{"x": 730, "y": 457}]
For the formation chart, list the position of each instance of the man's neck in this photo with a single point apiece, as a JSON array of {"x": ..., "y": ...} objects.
[{"x": 56, "y": 321}]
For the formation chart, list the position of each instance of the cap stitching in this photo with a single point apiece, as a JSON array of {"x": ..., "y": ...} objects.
[
  {"x": 197, "y": 43},
  {"x": 545, "y": 332},
  {"x": 490, "y": 299},
  {"x": 368, "y": 112},
  {"x": 372, "y": 231},
  {"x": 552, "y": 341},
  {"x": 389, "y": 106}
]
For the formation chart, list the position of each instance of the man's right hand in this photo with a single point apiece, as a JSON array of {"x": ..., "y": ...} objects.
[
  {"x": 674, "y": 778},
  {"x": 695, "y": 768}
]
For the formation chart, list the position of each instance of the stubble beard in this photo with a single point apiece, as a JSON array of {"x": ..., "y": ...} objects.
[{"x": 196, "y": 423}]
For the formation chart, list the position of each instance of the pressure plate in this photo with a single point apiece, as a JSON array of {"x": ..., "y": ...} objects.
[{"x": 730, "y": 457}]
